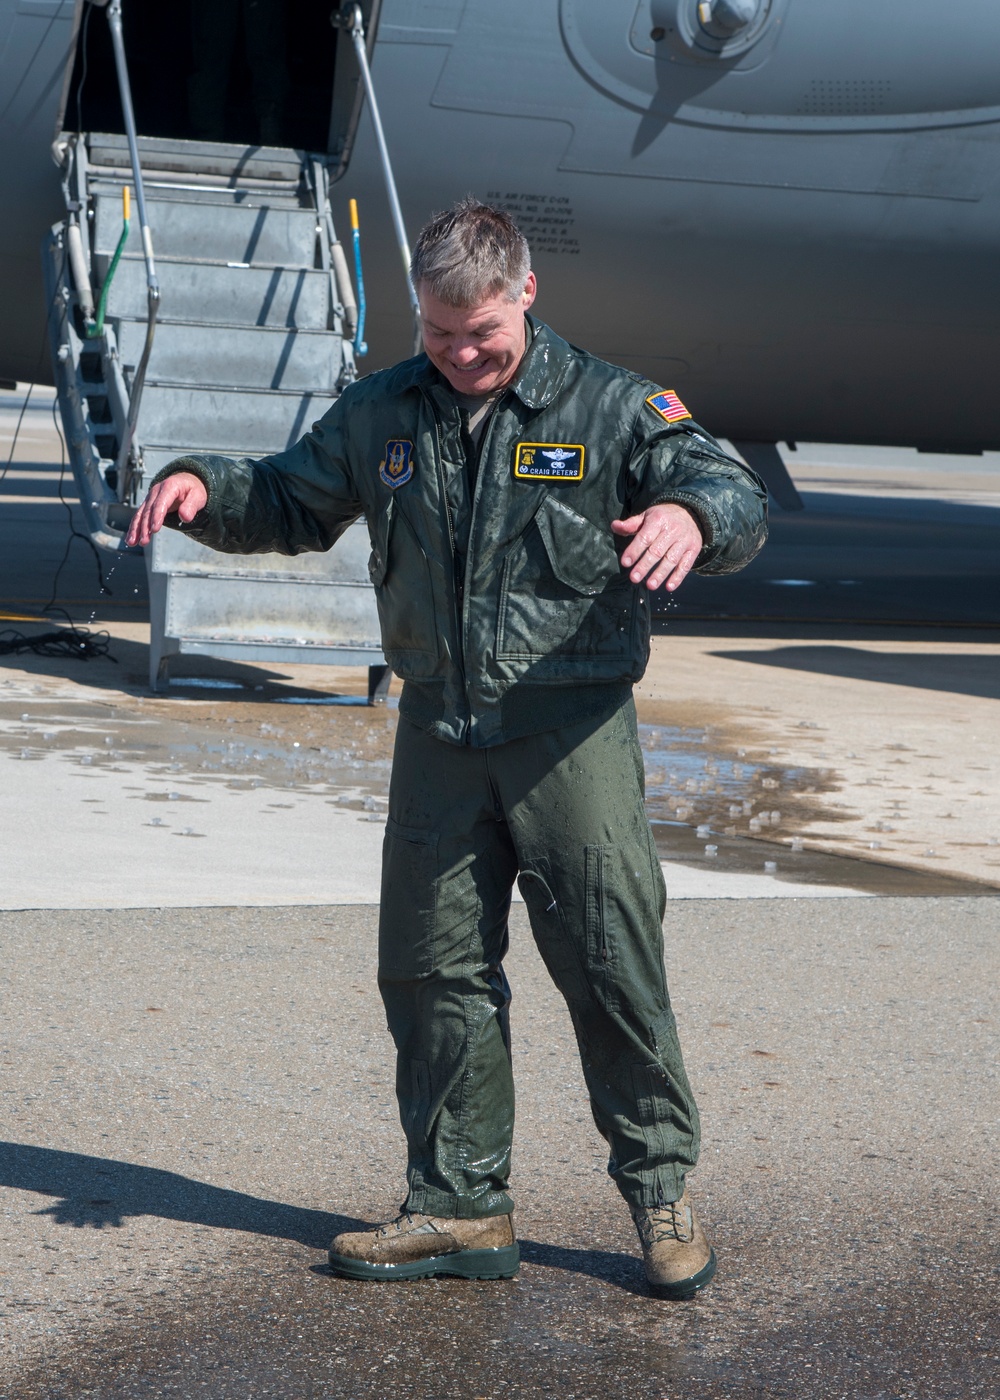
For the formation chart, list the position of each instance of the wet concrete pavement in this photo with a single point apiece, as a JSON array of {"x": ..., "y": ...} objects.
[
  {"x": 197, "y": 1100},
  {"x": 285, "y": 803}
]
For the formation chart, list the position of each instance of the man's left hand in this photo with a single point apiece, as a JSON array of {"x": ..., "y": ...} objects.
[{"x": 666, "y": 541}]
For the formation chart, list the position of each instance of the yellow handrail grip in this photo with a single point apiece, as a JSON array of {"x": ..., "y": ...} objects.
[
  {"x": 126, "y": 202},
  {"x": 354, "y": 214}
]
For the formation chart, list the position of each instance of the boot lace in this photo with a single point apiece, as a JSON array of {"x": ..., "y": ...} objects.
[
  {"x": 403, "y": 1221},
  {"x": 661, "y": 1223}
]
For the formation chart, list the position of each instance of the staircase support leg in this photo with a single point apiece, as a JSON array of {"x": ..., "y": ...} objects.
[
  {"x": 379, "y": 680},
  {"x": 157, "y": 625}
]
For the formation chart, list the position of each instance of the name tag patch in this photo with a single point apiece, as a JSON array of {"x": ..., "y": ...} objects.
[
  {"x": 396, "y": 467},
  {"x": 549, "y": 461},
  {"x": 668, "y": 406}
]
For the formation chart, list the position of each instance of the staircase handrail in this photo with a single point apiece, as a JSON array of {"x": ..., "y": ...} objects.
[
  {"x": 335, "y": 265},
  {"x": 152, "y": 282}
]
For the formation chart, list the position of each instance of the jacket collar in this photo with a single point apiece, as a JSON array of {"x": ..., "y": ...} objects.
[
  {"x": 539, "y": 377},
  {"x": 543, "y": 368}
]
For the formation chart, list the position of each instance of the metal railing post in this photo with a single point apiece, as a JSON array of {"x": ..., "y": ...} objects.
[{"x": 351, "y": 19}]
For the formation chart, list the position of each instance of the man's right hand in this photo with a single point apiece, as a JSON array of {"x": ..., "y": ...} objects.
[{"x": 182, "y": 492}]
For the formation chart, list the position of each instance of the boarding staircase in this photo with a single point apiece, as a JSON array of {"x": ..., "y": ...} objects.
[{"x": 251, "y": 344}]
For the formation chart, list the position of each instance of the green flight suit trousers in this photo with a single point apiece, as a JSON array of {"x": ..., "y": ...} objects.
[{"x": 563, "y": 812}]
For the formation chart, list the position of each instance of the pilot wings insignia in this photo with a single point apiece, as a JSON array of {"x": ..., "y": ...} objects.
[{"x": 549, "y": 461}]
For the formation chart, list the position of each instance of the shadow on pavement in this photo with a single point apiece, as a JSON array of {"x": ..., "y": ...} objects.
[
  {"x": 126, "y": 669},
  {"x": 959, "y": 675},
  {"x": 100, "y": 1192},
  {"x": 621, "y": 1270}
]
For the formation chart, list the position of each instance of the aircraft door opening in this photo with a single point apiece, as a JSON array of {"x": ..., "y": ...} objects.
[{"x": 241, "y": 72}]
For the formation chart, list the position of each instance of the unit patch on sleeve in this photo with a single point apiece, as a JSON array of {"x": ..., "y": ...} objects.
[
  {"x": 549, "y": 461},
  {"x": 668, "y": 406},
  {"x": 396, "y": 467}
]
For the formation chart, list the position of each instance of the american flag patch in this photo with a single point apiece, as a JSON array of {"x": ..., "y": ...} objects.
[{"x": 668, "y": 406}]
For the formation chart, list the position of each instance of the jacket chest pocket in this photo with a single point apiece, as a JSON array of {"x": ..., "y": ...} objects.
[
  {"x": 404, "y": 593},
  {"x": 378, "y": 561},
  {"x": 563, "y": 592}
]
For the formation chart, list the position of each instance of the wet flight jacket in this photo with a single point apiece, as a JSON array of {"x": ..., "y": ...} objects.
[{"x": 495, "y": 570}]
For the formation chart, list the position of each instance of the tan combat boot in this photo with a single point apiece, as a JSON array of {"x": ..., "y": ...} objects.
[
  {"x": 427, "y": 1246},
  {"x": 679, "y": 1259}
]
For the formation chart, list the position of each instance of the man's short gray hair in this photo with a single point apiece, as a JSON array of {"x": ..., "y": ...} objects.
[{"x": 470, "y": 253}]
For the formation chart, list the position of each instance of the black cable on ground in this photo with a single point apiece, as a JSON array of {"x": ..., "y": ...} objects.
[
  {"x": 17, "y": 432},
  {"x": 67, "y": 641}
]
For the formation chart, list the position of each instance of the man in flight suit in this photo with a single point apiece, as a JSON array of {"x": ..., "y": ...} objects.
[{"x": 523, "y": 499}]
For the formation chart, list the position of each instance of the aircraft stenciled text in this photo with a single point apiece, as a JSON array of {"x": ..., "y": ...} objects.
[{"x": 545, "y": 219}]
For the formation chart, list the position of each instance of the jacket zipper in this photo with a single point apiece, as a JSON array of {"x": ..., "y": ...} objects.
[
  {"x": 480, "y": 452},
  {"x": 458, "y": 587}
]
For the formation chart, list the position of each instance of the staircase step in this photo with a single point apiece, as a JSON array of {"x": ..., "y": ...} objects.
[
  {"x": 196, "y": 190},
  {"x": 254, "y": 422},
  {"x": 309, "y": 614},
  {"x": 234, "y": 233},
  {"x": 177, "y": 553},
  {"x": 270, "y": 600},
  {"x": 232, "y": 296},
  {"x": 214, "y": 159},
  {"x": 249, "y": 357}
]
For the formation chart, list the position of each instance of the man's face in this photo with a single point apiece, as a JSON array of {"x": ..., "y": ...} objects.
[{"x": 476, "y": 348}]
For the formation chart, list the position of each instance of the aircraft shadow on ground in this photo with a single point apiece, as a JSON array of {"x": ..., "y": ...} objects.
[
  {"x": 957, "y": 674},
  {"x": 99, "y": 1193}
]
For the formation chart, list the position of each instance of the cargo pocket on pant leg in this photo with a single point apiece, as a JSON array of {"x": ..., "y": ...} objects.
[
  {"x": 408, "y": 912},
  {"x": 601, "y": 952},
  {"x": 557, "y": 950},
  {"x": 651, "y": 1088}
]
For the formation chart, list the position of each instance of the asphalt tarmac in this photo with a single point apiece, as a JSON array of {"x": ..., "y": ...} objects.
[{"x": 197, "y": 1099}]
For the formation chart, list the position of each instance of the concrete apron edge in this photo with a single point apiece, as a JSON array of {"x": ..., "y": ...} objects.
[{"x": 683, "y": 882}]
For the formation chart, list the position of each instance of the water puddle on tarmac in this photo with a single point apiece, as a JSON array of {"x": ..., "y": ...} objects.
[
  {"x": 739, "y": 811},
  {"x": 712, "y": 797}
]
